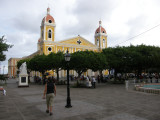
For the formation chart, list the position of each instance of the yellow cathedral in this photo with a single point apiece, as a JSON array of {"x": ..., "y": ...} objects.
[{"x": 47, "y": 44}]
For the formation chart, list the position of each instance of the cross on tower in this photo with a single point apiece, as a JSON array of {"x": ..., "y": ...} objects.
[{"x": 79, "y": 42}]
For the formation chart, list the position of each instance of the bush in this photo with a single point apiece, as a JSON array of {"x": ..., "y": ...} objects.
[{"x": 3, "y": 78}]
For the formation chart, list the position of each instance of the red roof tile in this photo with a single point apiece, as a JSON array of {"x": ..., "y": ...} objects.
[{"x": 102, "y": 30}]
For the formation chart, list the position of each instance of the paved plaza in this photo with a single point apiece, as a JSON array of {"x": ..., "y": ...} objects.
[{"x": 106, "y": 102}]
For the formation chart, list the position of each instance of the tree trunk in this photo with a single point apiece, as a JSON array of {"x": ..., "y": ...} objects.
[
  {"x": 115, "y": 75},
  {"x": 57, "y": 71},
  {"x": 29, "y": 77},
  {"x": 101, "y": 76},
  {"x": 43, "y": 79},
  {"x": 79, "y": 74},
  {"x": 109, "y": 74}
]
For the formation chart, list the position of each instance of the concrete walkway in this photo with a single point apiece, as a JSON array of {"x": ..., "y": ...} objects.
[{"x": 106, "y": 102}]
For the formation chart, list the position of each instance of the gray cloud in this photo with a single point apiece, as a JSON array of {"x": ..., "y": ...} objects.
[
  {"x": 88, "y": 13},
  {"x": 137, "y": 25},
  {"x": 24, "y": 44},
  {"x": 24, "y": 22}
]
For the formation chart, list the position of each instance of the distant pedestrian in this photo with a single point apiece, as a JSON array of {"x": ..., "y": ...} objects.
[
  {"x": 89, "y": 84},
  {"x": 127, "y": 82},
  {"x": 150, "y": 78},
  {"x": 87, "y": 81},
  {"x": 156, "y": 78},
  {"x": 44, "y": 79},
  {"x": 98, "y": 78},
  {"x": 94, "y": 82},
  {"x": 4, "y": 92},
  {"x": 49, "y": 93}
]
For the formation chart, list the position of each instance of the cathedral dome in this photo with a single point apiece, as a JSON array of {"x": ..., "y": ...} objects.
[
  {"x": 48, "y": 18},
  {"x": 100, "y": 29}
]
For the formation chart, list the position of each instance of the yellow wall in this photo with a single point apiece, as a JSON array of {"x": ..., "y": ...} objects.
[
  {"x": 59, "y": 48},
  {"x": 96, "y": 40},
  {"x": 106, "y": 72},
  {"x": 47, "y": 28},
  {"x": 74, "y": 50},
  {"x": 74, "y": 42},
  {"x": 79, "y": 49},
  {"x": 101, "y": 38},
  {"x": 104, "y": 37}
]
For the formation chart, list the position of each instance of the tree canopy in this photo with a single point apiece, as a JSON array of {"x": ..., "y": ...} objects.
[
  {"x": 137, "y": 59},
  {"x": 3, "y": 47},
  {"x": 55, "y": 62},
  {"x": 79, "y": 62},
  {"x": 132, "y": 58}
]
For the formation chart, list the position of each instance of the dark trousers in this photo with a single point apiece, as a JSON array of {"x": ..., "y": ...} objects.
[{"x": 94, "y": 84}]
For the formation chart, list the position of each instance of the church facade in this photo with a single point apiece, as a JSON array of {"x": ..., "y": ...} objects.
[{"x": 47, "y": 44}]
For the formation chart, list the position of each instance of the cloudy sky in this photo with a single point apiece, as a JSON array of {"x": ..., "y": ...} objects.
[{"x": 126, "y": 22}]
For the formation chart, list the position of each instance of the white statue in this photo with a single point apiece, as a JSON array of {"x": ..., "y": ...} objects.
[{"x": 23, "y": 69}]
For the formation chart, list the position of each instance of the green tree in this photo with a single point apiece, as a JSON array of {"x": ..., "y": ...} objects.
[
  {"x": 79, "y": 62},
  {"x": 141, "y": 58},
  {"x": 3, "y": 47},
  {"x": 39, "y": 63},
  {"x": 136, "y": 59},
  {"x": 55, "y": 61},
  {"x": 116, "y": 59},
  {"x": 97, "y": 62}
]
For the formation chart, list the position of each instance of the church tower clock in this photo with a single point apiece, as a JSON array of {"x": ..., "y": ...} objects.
[{"x": 101, "y": 37}]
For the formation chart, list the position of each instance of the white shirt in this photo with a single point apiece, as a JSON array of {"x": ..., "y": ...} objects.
[{"x": 94, "y": 80}]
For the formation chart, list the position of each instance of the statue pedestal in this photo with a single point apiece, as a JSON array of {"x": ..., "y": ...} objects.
[
  {"x": 23, "y": 76},
  {"x": 23, "y": 80}
]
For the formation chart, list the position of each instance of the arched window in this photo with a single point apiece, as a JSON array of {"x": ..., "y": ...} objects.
[
  {"x": 97, "y": 42},
  {"x": 104, "y": 43},
  {"x": 49, "y": 34}
]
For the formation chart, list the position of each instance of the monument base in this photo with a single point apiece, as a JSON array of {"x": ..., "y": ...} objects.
[
  {"x": 23, "y": 86},
  {"x": 23, "y": 81}
]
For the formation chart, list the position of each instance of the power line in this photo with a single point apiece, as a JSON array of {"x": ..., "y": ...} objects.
[{"x": 139, "y": 34}]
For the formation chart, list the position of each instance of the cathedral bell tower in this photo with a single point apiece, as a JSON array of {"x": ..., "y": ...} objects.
[
  {"x": 47, "y": 30},
  {"x": 48, "y": 27},
  {"x": 101, "y": 37}
]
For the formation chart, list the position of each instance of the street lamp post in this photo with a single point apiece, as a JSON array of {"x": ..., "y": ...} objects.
[{"x": 67, "y": 59}]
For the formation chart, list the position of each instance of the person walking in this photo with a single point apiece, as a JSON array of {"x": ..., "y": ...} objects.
[
  {"x": 87, "y": 81},
  {"x": 156, "y": 78},
  {"x": 49, "y": 93},
  {"x": 98, "y": 78},
  {"x": 94, "y": 82},
  {"x": 150, "y": 78}
]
